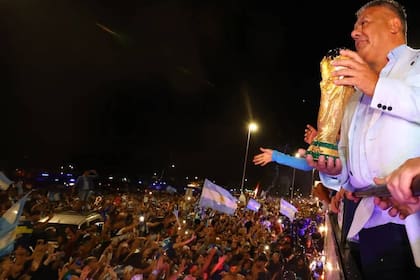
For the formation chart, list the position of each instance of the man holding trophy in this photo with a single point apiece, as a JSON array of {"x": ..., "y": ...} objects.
[{"x": 379, "y": 131}]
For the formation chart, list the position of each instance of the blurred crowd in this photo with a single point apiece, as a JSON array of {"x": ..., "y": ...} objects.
[{"x": 160, "y": 235}]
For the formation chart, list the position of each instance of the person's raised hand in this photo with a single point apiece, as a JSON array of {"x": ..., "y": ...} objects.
[{"x": 310, "y": 133}]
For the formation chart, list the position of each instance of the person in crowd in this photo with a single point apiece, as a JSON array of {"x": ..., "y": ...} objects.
[
  {"x": 85, "y": 185},
  {"x": 302, "y": 268},
  {"x": 259, "y": 270},
  {"x": 275, "y": 266},
  {"x": 18, "y": 266},
  {"x": 379, "y": 131},
  {"x": 234, "y": 269}
]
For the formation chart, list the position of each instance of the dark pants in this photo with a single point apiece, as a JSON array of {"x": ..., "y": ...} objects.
[
  {"x": 84, "y": 195},
  {"x": 385, "y": 253}
]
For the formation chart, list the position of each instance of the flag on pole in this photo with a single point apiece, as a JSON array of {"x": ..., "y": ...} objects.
[
  {"x": 253, "y": 205},
  {"x": 4, "y": 182},
  {"x": 287, "y": 209},
  {"x": 8, "y": 224},
  {"x": 217, "y": 198}
]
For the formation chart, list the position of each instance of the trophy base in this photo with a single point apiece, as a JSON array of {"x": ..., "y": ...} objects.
[{"x": 318, "y": 148}]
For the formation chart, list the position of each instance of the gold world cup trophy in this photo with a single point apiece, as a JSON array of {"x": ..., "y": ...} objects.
[{"x": 333, "y": 102}]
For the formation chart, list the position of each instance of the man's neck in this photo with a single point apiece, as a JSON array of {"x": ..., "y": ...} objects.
[{"x": 379, "y": 65}]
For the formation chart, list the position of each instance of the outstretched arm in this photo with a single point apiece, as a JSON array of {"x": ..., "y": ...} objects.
[{"x": 269, "y": 155}]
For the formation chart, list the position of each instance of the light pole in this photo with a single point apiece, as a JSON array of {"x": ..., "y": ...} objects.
[
  {"x": 251, "y": 128},
  {"x": 297, "y": 155},
  {"x": 312, "y": 181}
]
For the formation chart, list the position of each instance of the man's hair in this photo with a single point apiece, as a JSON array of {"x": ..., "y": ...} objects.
[{"x": 393, "y": 6}]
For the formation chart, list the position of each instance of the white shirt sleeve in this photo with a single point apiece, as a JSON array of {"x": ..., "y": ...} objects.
[{"x": 331, "y": 182}]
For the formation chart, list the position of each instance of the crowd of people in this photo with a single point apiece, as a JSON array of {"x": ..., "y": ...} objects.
[{"x": 161, "y": 235}]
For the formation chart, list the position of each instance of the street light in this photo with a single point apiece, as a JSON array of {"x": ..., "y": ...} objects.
[
  {"x": 251, "y": 128},
  {"x": 297, "y": 155}
]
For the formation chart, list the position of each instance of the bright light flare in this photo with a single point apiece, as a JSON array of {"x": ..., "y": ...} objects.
[
  {"x": 322, "y": 229},
  {"x": 253, "y": 127}
]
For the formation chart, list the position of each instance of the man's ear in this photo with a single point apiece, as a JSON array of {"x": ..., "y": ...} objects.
[{"x": 395, "y": 25}]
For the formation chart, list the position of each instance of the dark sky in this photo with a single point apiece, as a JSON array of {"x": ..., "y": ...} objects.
[{"x": 134, "y": 86}]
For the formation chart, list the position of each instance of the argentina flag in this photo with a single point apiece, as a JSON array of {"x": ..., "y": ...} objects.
[
  {"x": 217, "y": 198},
  {"x": 8, "y": 224},
  {"x": 287, "y": 209},
  {"x": 253, "y": 205}
]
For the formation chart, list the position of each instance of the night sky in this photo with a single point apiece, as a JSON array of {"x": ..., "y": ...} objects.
[{"x": 135, "y": 86}]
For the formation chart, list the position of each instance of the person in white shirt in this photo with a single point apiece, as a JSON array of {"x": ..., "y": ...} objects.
[{"x": 380, "y": 130}]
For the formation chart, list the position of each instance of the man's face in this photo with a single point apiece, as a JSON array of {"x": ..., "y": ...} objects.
[
  {"x": 371, "y": 32},
  {"x": 20, "y": 254},
  {"x": 234, "y": 268}
]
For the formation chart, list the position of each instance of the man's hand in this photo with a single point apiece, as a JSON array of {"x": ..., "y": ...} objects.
[
  {"x": 328, "y": 166},
  {"x": 355, "y": 72},
  {"x": 402, "y": 202},
  {"x": 399, "y": 181},
  {"x": 336, "y": 200},
  {"x": 395, "y": 208}
]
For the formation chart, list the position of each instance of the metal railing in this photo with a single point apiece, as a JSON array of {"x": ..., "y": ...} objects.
[{"x": 341, "y": 255}]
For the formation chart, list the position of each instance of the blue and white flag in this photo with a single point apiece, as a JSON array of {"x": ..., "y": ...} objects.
[
  {"x": 8, "y": 224},
  {"x": 217, "y": 198},
  {"x": 253, "y": 205},
  {"x": 4, "y": 182},
  {"x": 287, "y": 209}
]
